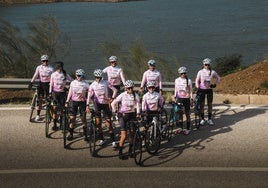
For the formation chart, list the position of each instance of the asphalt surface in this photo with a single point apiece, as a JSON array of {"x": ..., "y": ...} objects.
[{"x": 232, "y": 153}]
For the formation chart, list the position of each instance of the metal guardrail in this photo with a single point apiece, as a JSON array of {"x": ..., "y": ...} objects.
[{"x": 22, "y": 83}]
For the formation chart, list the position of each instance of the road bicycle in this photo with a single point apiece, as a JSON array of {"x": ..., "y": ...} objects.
[
  {"x": 34, "y": 102},
  {"x": 165, "y": 128},
  {"x": 175, "y": 112}
]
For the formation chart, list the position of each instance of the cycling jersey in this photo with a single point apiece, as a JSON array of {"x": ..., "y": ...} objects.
[
  {"x": 43, "y": 73},
  {"x": 129, "y": 102},
  {"x": 115, "y": 75},
  {"x": 204, "y": 78},
  {"x": 152, "y": 76},
  {"x": 58, "y": 81},
  {"x": 152, "y": 101},
  {"x": 78, "y": 91},
  {"x": 182, "y": 90},
  {"x": 99, "y": 92}
]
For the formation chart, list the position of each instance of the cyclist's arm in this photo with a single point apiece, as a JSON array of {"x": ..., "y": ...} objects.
[
  {"x": 160, "y": 82},
  {"x": 197, "y": 80},
  {"x": 123, "y": 79},
  {"x": 35, "y": 76},
  {"x": 114, "y": 90},
  {"x": 143, "y": 80}
]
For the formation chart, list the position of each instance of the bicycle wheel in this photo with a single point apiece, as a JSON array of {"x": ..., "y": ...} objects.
[
  {"x": 33, "y": 106},
  {"x": 91, "y": 136},
  {"x": 48, "y": 118},
  {"x": 65, "y": 127},
  {"x": 197, "y": 120},
  {"x": 137, "y": 147},
  {"x": 152, "y": 139}
]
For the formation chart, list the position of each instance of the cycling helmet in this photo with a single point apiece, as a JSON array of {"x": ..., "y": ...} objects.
[
  {"x": 151, "y": 84},
  {"x": 207, "y": 61},
  {"x": 98, "y": 73},
  {"x": 59, "y": 64},
  {"x": 44, "y": 58},
  {"x": 80, "y": 72},
  {"x": 182, "y": 70},
  {"x": 112, "y": 58},
  {"x": 152, "y": 63},
  {"x": 129, "y": 83}
]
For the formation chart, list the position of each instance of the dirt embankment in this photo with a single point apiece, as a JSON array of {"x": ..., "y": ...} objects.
[{"x": 252, "y": 80}]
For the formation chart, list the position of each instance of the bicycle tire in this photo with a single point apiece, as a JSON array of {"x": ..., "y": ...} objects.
[
  {"x": 152, "y": 139},
  {"x": 91, "y": 135},
  {"x": 137, "y": 147},
  {"x": 164, "y": 123},
  {"x": 33, "y": 106},
  {"x": 197, "y": 120}
]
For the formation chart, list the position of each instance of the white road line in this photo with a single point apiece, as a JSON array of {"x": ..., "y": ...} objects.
[
  {"x": 137, "y": 169},
  {"x": 215, "y": 107}
]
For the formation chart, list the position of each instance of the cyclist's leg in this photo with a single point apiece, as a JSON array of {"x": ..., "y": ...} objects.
[
  {"x": 209, "y": 101},
  {"x": 108, "y": 122},
  {"x": 40, "y": 94},
  {"x": 55, "y": 103},
  {"x": 82, "y": 112},
  {"x": 99, "y": 123},
  {"x": 123, "y": 133},
  {"x": 72, "y": 112},
  {"x": 202, "y": 105}
]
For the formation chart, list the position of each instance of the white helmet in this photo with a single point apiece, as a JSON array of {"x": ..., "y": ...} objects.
[
  {"x": 80, "y": 72},
  {"x": 129, "y": 83},
  {"x": 151, "y": 84},
  {"x": 98, "y": 73},
  {"x": 44, "y": 58},
  {"x": 152, "y": 63},
  {"x": 112, "y": 58},
  {"x": 182, "y": 70},
  {"x": 207, "y": 61}
]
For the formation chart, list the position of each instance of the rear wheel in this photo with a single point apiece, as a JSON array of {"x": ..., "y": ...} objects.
[
  {"x": 164, "y": 123},
  {"x": 65, "y": 127}
]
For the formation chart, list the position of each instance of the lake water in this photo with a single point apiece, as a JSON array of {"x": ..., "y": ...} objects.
[{"x": 189, "y": 30}]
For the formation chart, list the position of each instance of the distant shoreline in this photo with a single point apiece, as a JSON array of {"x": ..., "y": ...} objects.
[{"x": 16, "y": 2}]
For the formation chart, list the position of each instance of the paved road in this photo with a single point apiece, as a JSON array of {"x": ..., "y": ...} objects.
[{"x": 233, "y": 153}]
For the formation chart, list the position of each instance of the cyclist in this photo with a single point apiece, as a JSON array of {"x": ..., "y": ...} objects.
[
  {"x": 205, "y": 81},
  {"x": 129, "y": 110},
  {"x": 152, "y": 75},
  {"x": 152, "y": 102},
  {"x": 98, "y": 92},
  {"x": 76, "y": 99},
  {"x": 115, "y": 74},
  {"x": 43, "y": 72},
  {"x": 57, "y": 89},
  {"x": 184, "y": 95}
]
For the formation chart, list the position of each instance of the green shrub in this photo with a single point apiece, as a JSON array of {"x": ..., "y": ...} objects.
[{"x": 228, "y": 64}]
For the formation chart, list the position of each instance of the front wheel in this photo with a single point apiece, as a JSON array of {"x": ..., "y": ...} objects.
[
  {"x": 65, "y": 127},
  {"x": 152, "y": 139},
  {"x": 91, "y": 137},
  {"x": 137, "y": 147},
  {"x": 48, "y": 119},
  {"x": 33, "y": 106}
]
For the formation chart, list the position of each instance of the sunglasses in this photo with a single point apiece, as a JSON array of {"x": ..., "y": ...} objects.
[
  {"x": 151, "y": 87},
  {"x": 44, "y": 60},
  {"x": 207, "y": 64},
  {"x": 183, "y": 73},
  {"x": 129, "y": 88},
  {"x": 113, "y": 62},
  {"x": 79, "y": 75}
]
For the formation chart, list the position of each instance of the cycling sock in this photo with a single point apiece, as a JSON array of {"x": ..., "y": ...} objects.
[
  {"x": 38, "y": 112},
  {"x": 202, "y": 116},
  {"x": 209, "y": 115}
]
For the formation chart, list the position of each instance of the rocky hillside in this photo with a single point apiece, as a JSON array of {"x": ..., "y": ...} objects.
[{"x": 252, "y": 80}]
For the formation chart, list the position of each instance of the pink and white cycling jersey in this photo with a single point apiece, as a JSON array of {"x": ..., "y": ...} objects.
[
  {"x": 152, "y": 76},
  {"x": 151, "y": 101},
  {"x": 182, "y": 90},
  {"x": 99, "y": 90},
  {"x": 78, "y": 91},
  {"x": 129, "y": 103},
  {"x": 58, "y": 81},
  {"x": 115, "y": 75},
  {"x": 204, "y": 78},
  {"x": 43, "y": 73}
]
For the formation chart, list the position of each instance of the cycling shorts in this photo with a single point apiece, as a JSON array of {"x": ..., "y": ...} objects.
[
  {"x": 77, "y": 105},
  {"x": 105, "y": 108},
  {"x": 124, "y": 119},
  {"x": 59, "y": 98},
  {"x": 186, "y": 103},
  {"x": 204, "y": 93},
  {"x": 43, "y": 89}
]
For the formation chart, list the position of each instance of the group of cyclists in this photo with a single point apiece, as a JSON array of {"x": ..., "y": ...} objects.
[{"x": 108, "y": 99}]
